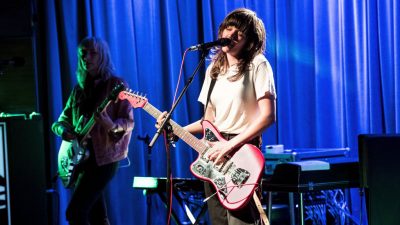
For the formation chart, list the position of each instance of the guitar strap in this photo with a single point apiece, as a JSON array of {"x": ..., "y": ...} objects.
[
  {"x": 263, "y": 216},
  {"x": 257, "y": 201},
  {"x": 212, "y": 84}
]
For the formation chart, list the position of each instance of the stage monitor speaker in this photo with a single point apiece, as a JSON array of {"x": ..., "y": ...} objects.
[
  {"x": 22, "y": 172},
  {"x": 380, "y": 167}
]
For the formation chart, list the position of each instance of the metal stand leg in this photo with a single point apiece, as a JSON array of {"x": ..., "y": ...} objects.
[
  {"x": 301, "y": 209},
  {"x": 166, "y": 203},
  {"x": 292, "y": 209},
  {"x": 202, "y": 211},
  {"x": 269, "y": 206}
]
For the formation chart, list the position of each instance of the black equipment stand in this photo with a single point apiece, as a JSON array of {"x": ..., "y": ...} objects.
[
  {"x": 146, "y": 140},
  {"x": 163, "y": 127},
  {"x": 202, "y": 211}
]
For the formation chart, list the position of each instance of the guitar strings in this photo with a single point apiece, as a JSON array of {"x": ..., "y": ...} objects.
[{"x": 226, "y": 186}]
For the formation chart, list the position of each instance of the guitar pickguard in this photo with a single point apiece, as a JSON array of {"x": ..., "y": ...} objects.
[
  {"x": 70, "y": 156},
  {"x": 223, "y": 176},
  {"x": 209, "y": 135}
]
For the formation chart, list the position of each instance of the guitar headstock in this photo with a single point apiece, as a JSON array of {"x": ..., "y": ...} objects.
[
  {"x": 136, "y": 100},
  {"x": 117, "y": 89}
]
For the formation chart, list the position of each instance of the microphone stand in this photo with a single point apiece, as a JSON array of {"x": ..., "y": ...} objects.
[
  {"x": 146, "y": 140},
  {"x": 164, "y": 125}
]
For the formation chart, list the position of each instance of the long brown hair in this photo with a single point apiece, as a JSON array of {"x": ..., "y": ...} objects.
[
  {"x": 106, "y": 67},
  {"x": 249, "y": 24}
]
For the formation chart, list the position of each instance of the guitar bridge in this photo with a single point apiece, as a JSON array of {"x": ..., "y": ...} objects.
[{"x": 240, "y": 176}]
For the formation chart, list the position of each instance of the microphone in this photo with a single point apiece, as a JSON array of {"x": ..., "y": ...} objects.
[
  {"x": 14, "y": 61},
  {"x": 208, "y": 45}
]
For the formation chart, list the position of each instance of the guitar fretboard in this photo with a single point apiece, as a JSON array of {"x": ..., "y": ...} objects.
[
  {"x": 187, "y": 137},
  {"x": 89, "y": 125}
]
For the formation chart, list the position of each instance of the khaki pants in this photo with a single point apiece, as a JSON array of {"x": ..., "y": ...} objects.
[{"x": 248, "y": 215}]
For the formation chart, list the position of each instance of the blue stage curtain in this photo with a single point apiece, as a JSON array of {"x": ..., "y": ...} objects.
[{"x": 336, "y": 66}]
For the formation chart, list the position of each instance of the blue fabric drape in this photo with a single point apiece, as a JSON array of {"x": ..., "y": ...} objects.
[{"x": 336, "y": 67}]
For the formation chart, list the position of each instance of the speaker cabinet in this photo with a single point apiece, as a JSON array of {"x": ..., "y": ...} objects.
[
  {"x": 22, "y": 172},
  {"x": 380, "y": 167},
  {"x": 17, "y": 76}
]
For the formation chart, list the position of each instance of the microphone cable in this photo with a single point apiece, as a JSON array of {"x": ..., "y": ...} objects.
[{"x": 180, "y": 76}]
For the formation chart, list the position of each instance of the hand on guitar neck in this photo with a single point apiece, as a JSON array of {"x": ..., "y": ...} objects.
[
  {"x": 169, "y": 132},
  {"x": 219, "y": 151}
]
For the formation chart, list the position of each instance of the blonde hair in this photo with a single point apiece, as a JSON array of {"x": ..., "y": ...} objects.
[{"x": 105, "y": 68}]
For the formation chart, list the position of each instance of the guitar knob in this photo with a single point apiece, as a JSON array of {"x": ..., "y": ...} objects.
[{"x": 201, "y": 169}]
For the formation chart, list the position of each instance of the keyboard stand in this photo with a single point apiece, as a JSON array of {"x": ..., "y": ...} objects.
[
  {"x": 156, "y": 185},
  {"x": 289, "y": 178},
  {"x": 202, "y": 212}
]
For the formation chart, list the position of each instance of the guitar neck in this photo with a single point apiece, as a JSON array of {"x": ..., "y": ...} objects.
[
  {"x": 89, "y": 125},
  {"x": 87, "y": 128},
  {"x": 187, "y": 137}
]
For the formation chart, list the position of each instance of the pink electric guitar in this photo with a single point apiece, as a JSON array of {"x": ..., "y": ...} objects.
[{"x": 235, "y": 179}]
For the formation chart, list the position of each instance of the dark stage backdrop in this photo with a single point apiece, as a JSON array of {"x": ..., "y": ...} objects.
[{"x": 336, "y": 67}]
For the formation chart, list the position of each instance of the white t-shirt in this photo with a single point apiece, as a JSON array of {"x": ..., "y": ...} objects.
[{"x": 235, "y": 102}]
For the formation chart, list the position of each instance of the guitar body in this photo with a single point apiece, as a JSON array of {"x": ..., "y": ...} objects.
[
  {"x": 237, "y": 178},
  {"x": 70, "y": 157}
]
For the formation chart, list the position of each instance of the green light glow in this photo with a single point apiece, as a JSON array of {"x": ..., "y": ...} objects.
[{"x": 145, "y": 182}]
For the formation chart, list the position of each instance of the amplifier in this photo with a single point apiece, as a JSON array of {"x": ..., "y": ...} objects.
[{"x": 331, "y": 155}]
